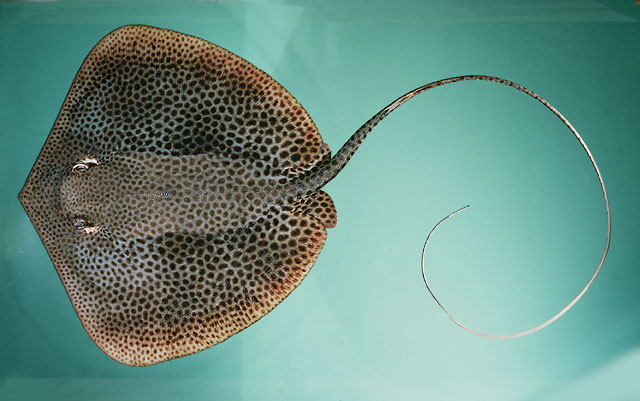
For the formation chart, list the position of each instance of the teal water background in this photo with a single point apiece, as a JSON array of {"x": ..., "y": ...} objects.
[{"x": 362, "y": 326}]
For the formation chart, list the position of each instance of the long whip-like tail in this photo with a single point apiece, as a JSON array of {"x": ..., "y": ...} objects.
[{"x": 319, "y": 178}]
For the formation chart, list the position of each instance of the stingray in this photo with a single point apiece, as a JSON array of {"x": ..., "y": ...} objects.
[{"x": 179, "y": 195}]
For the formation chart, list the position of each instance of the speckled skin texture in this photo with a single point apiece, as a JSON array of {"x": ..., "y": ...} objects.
[{"x": 171, "y": 194}]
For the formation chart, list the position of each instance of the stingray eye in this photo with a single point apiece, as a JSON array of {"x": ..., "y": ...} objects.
[
  {"x": 82, "y": 223},
  {"x": 80, "y": 168},
  {"x": 84, "y": 165}
]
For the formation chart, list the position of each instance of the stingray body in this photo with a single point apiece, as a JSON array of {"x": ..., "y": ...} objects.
[
  {"x": 170, "y": 194},
  {"x": 178, "y": 193}
]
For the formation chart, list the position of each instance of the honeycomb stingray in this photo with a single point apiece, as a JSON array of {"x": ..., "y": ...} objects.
[{"x": 178, "y": 193}]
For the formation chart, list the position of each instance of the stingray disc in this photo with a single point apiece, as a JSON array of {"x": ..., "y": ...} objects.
[{"x": 159, "y": 194}]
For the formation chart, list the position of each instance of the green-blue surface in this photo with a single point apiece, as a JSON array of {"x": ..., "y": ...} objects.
[{"x": 362, "y": 326}]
